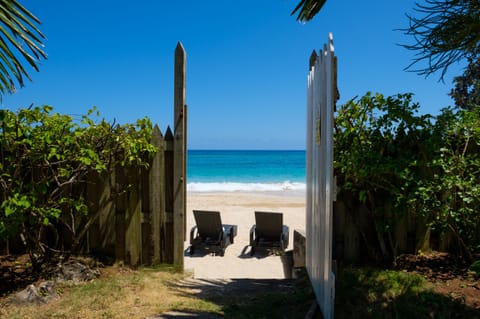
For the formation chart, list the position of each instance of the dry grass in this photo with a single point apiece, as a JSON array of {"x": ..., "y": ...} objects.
[
  {"x": 119, "y": 293},
  {"x": 145, "y": 293}
]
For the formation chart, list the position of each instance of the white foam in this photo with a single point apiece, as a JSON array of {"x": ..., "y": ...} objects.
[{"x": 286, "y": 186}]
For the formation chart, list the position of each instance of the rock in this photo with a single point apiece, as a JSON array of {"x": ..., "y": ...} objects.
[
  {"x": 76, "y": 272},
  {"x": 71, "y": 271},
  {"x": 47, "y": 290},
  {"x": 33, "y": 295}
]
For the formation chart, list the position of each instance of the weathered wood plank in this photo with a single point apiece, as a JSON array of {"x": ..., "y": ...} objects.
[
  {"x": 133, "y": 219},
  {"x": 120, "y": 206},
  {"x": 147, "y": 243},
  {"x": 185, "y": 117},
  {"x": 156, "y": 194},
  {"x": 92, "y": 197},
  {"x": 167, "y": 217},
  {"x": 102, "y": 233},
  {"x": 179, "y": 155}
]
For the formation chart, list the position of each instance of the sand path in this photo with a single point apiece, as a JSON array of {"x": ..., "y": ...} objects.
[{"x": 238, "y": 209}]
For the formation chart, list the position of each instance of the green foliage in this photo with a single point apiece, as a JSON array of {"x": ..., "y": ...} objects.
[
  {"x": 466, "y": 91},
  {"x": 307, "y": 9},
  {"x": 377, "y": 140},
  {"x": 475, "y": 267},
  {"x": 44, "y": 160},
  {"x": 437, "y": 40},
  {"x": 375, "y": 293},
  {"x": 450, "y": 195},
  {"x": 394, "y": 161},
  {"x": 20, "y": 39}
]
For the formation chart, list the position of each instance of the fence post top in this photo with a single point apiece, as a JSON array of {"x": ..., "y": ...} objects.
[
  {"x": 179, "y": 49},
  {"x": 156, "y": 132},
  {"x": 313, "y": 57},
  {"x": 330, "y": 42}
]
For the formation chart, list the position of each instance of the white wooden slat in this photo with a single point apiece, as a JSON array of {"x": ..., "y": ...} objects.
[{"x": 321, "y": 98}]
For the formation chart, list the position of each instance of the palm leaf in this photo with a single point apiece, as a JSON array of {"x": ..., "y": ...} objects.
[
  {"x": 307, "y": 9},
  {"x": 20, "y": 42},
  {"x": 10, "y": 60}
]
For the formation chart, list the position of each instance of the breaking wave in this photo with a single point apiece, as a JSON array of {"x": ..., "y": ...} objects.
[{"x": 286, "y": 186}]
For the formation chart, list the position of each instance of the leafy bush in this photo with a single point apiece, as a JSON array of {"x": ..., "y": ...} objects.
[
  {"x": 394, "y": 161},
  {"x": 475, "y": 267},
  {"x": 44, "y": 159},
  {"x": 450, "y": 195},
  {"x": 377, "y": 140}
]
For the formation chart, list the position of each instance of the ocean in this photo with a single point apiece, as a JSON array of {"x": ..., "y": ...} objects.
[{"x": 247, "y": 171}]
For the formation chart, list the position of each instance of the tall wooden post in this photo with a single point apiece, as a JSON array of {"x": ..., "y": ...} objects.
[{"x": 179, "y": 154}]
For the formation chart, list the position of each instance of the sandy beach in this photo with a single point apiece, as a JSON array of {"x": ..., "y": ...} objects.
[{"x": 238, "y": 209}]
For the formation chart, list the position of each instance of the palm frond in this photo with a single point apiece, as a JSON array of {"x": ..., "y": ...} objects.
[
  {"x": 307, "y": 9},
  {"x": 20, "y": 42}
]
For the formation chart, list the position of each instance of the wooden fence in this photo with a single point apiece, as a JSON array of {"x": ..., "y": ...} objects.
[
  {"x": 146, "y": 224},
  {"x": 143, "y": 222},
  {"x": 321, "y": 98}
]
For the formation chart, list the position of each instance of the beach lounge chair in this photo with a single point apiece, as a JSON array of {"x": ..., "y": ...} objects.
[
  {"x": 268, "y": 232},
  {"x": 209, "y": 233}
]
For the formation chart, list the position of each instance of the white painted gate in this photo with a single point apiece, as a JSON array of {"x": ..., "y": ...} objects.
[{"x": 321, "y": 98}]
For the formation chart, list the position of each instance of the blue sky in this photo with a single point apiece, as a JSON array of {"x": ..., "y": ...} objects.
[{"x": 247, "y": 63}]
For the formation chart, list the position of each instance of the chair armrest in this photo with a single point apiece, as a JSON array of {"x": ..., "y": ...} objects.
[
  {"x": 252, "y": 234},
  {"x": 221, "y": 236},
  {"x": 192, "y": 234}
]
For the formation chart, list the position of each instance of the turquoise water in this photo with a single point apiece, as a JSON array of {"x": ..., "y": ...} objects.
[{"x": 222, "y": 170}]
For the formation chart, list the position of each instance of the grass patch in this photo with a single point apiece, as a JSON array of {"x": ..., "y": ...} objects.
[
  {"x": 360, "y": 293},
  {"x": 373, "y": 293},
  {"x": 272, "y": 305},
  {"x": 291, "y": 303},
  {"x": 120, "y": 293},
  {"x": 124, "y": 293}
]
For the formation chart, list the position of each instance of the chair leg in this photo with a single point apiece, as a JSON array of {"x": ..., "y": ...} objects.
[
  {"x": 192, "y": 250},
  {"x": 252, "y": 251}
]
